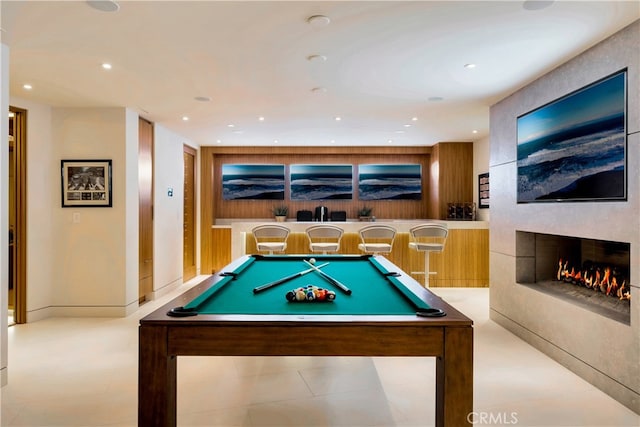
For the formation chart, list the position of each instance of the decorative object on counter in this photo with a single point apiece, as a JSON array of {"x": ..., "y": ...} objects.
[
  {"x": 339, "y": 216},
  {"x": 461, "y": 211},
  {"x": 304, "y": 216},
  {"x": 364, "y": 213},
  {"x": 321, "y": 214},
  {"x": 280, "y": 212}
]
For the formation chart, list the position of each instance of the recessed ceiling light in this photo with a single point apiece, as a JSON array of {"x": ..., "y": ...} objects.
[
  {"x": 415, "y": 119},
  {"x": 469, "y": 66},
  {"x": 338, "y": 118},
  {"x": 275, "y": 141},
  {"x": 106, "y": 66},
  {"x": 407, "y": 125},
  {"x": 203, "y": 98},
  {"x": 318, "y": 21},
  {"x": 219, "y": 141},
  {"x": 316, "y": 58},
  {"x": 333, "y": 141},
  {"x": 435, "y": 99},
  {"x": 104, "y": 5},
  {"x": 261, "y": 119},
  {"x": 231, "y": 125},
  {"x": 474, "y": 131},
  {"x": 185, "y": 118},
  {"x": 536, "y": 4},
  {"x": 390, "y": 141},
  {"x": 27, "y": 86}
]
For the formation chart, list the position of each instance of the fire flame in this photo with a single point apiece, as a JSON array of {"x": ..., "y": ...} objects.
[{"x": 600, "y": 279}]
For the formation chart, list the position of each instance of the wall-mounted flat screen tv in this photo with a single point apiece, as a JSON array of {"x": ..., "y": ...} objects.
[
  {"x": 253, "y": 182},
  {"x": 321, "y": 182},
  {"x": 390, "y": 182},
  {"x": 574, "y": 148}
]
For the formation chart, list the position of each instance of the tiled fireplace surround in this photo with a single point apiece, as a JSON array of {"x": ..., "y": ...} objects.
[{"x": 603, "y": 351}]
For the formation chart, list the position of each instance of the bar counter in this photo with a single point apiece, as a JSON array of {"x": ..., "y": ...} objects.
[{"x": 464, "y": 262}]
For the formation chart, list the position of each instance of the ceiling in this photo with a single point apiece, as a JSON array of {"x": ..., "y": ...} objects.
[{"x": 393, "y": 72}]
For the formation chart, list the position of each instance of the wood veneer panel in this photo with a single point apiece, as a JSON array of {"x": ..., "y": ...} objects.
[
  {"x": 464, "y": 262},
  {"x": 220, "y": 248},
  {"x": 206, "y": 211}
]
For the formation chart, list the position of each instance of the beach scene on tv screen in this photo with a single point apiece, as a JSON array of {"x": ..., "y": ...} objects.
[
  {"x": 390, "y": 182},
  {"x": 574, "y": 148},
  {"x": 321, "y": 182},
  {"x": 257, "y": 182}
]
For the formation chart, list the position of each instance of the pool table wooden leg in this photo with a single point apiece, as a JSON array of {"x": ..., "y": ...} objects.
[
  {"x": 454, "y": 379},
  {"x": 156, "y": 379}
]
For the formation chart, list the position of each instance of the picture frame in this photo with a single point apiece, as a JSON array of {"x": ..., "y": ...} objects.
[
  {"x": 253, "y": 181},
  {"x": 390, "y": 182},
  {"x": 483, "y": 190},
  {"x": 321, "y": 182},
  {"x": 86, "y": 183}
]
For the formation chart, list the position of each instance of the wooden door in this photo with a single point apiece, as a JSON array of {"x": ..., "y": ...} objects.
[
  {"x": 145, "y": 184},
  {"x": 18, "y": 214},
  {"x": 189, "y": 237}
]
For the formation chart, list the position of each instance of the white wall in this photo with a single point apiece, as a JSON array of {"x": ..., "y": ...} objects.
[
  {"x": 90, "y": 268},
  {"x": 481, "y": 165},
  {"x": 601, "y": 350},
  {"x": 168, "y": 218},
  {"x": 4, "y": 209},
  {"x": 90, "y": 271}
]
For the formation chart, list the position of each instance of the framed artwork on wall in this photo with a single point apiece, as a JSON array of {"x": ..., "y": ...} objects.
[
  {"x": 390, "y": 182},
  {"x": 252, "y": 182},
  {"x": 574, "y": 148},
  {"x": 86, "y": 183},
  {"x": 321, "y": 182},
  {"x": 483, "y": 190}
]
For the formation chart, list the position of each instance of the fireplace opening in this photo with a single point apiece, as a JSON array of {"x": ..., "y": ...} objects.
[{"x": 587, "y": 272}]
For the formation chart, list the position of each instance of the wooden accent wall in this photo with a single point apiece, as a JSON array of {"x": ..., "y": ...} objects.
[
  {"x": 464, "y": 262},
  {"x": 451, "y": 181},
  {"x": 448, "y": 184}
]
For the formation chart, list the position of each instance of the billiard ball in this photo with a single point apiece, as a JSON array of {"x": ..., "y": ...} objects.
[{"x": 312, "y": 261}]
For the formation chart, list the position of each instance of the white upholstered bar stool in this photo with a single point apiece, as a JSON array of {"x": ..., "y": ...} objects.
[
  {"x": 377, "y": 239},
  {"x": 428, "y": 238},
  {"x": 271, "y": 238},
  {"x": 324, "y": 238}
]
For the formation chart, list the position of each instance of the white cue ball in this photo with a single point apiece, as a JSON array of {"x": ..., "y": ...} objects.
[{"x": 312, "y": 260}]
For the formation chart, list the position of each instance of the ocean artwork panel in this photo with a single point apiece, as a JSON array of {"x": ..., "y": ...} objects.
[
  {"x": 321, "y": 182},
  {"x": 390, "y": 182},
  {"x": 253, "y": 182},
  {"x": 574, "y": 149}
]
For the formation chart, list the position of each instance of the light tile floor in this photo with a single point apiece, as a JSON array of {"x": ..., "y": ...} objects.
[{"x": 83, "y": 372}]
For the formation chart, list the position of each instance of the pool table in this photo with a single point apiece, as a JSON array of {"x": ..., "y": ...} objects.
[{"x": 378, "y": 310}]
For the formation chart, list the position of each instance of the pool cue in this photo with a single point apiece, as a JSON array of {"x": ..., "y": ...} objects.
[
  {"x": 284, "y": 279},
  {"x": 330, "y": 279}
]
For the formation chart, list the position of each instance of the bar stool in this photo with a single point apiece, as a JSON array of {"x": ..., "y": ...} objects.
[
  {"x": 377, "y": 239},
  {"x": 428, "y": 238},
  {"x": 324, "y": 238},
  {"x": 271, "y": 238}
]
